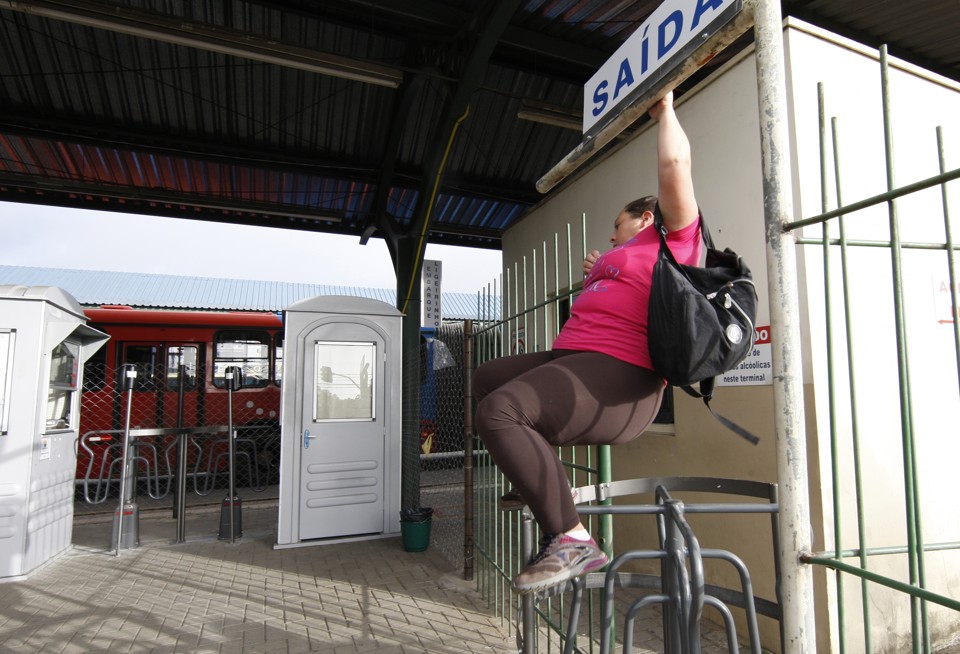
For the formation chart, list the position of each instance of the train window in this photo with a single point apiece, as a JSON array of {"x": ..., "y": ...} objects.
[
  {"x": 344, "y": 383},
  {"x": 277, "y": 359},
  {"x": 95, "y": 371},
  {"x": 64, "y": 366},
  {"x": 186, "y": 356},
  {"x": 248, "y": 349},
  {"x": 146, "y": 361}
]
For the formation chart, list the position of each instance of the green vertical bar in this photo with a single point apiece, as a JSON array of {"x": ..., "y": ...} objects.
[
  {"x": 918, "y": 613},
  {"x": 854, "y": 424},
  {"x": 604, "y": 466},
  {"x": 526, "y": 326},
  {"x": 831, "y": 372},
  {"x": 583, "y": 255},
  {"x": 573, "y": 477},
  {"x": 533, "y": 342},
  {"x": 606, "y": 521},
  {"x": 546, "y": 296},
  {"x": 951, "y": 264},
  {"x": 556, "y": 287},
  {"x": 516, "y": 303}
]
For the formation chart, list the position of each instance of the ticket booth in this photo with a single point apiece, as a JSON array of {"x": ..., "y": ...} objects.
[
  {"x": 340, "y": 421},
  {"x": 44, "y": 342}
]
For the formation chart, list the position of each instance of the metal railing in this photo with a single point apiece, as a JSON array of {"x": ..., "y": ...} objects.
[
  {"x": 531, "y": 320},
  {"x": 847, "y": 390}
]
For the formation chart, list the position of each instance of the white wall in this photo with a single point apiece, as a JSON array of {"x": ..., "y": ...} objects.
[{"x": 720, "y": 117}]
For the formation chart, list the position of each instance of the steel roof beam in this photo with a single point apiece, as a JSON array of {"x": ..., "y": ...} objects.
[{"x": 177, "y": 31}]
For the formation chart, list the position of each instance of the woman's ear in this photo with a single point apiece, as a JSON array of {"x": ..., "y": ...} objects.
[{"x": 646, "y": 219}]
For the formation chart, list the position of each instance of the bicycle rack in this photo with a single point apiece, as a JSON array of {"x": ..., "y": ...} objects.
[
  {"x": 105, "y": 462},
  {"x": 245, "y": 449},
  {"x": 111, "y": 460},
  {"x": 682, "y": 589}
]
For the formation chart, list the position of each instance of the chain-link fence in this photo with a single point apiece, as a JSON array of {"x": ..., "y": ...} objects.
[
  {"x": 165, "y": 402},
  {"x": 161, "y": 404},
  {"x": 441, "y": 438}
]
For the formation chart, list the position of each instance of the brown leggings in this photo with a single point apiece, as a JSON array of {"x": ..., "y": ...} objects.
[{"x": 529, "y": 404}]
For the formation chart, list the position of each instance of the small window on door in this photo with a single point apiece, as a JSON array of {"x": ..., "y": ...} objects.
[
  {"x": 344, "y": 381},
  {"x": 146, "y": 361},
  {"x": 186, "y": 356},
  {"x": 95, "y": 371},
  {"x": 250, "y": 350}
]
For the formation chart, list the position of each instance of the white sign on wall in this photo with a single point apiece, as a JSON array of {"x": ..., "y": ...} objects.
[
  {"x": 757, "y": 368},
  {"x": 431, "y": 277},
  {"x": 946, "y": 312},
  {"x": 642, "y": 59}
]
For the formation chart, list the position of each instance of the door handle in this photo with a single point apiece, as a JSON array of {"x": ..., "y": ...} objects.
[{"x": 307, "y": 437}]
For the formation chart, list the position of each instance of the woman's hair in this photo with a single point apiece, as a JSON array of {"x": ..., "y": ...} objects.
[{"x": 637, "y": 207}]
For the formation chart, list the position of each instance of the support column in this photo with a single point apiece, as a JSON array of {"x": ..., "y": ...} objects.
[
  {"x": 408, "y": 267},
  {"x": 795, "y": 529}
]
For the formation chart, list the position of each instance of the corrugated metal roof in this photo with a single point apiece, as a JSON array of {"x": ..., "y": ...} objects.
[
  {"x": 99, "y": 118},
  {"x": 145, "y": 290}
]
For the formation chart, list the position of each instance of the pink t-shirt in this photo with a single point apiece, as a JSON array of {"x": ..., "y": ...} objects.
[{"x": 610, "y": 314}]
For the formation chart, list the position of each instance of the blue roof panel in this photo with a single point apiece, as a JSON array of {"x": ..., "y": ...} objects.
[{"x": 155, "y": 291}]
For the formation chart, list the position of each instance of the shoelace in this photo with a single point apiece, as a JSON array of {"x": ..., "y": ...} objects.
[{"x": 546, "y": 541}]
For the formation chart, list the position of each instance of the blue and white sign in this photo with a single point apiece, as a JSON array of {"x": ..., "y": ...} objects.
[{"x": 662, "y": 37}]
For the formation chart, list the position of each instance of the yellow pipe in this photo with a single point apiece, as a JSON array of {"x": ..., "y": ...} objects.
[{"x": 433, "y": 197}]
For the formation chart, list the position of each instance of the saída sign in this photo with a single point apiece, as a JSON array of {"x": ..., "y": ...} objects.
[{"x": 668, "y": 35}]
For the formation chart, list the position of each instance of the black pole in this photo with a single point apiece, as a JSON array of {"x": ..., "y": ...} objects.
[
  {"x": 468, "y": 526},
  {"x": 180, "y": 496},
  {"x": 230, "y": 448},
  {"x": 232, "y": 377}
]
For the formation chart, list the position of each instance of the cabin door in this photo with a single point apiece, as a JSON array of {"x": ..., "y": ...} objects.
[{"x": 342, "y": 434}]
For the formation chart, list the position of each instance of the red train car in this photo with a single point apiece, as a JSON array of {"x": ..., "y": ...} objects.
[{"x": 164, "y": 346}]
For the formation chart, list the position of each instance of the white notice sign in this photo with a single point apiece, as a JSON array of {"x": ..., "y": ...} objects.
[{"x": 757, "y": 368}]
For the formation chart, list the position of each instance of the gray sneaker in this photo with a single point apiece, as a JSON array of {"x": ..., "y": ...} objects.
[{"x": 560, "y": 558}]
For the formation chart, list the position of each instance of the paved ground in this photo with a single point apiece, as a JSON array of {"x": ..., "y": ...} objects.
[{"x": 207, "y": 595}]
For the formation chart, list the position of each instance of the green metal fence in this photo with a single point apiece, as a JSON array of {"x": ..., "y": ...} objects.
[
  {"x": 532, "y": 316},
  {"x": 851, "y": 397}
]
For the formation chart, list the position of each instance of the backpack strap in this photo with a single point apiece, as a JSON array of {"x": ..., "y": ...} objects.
[
  {"x": 706, "y": 394},
  {"x": 662, "y": 231}
]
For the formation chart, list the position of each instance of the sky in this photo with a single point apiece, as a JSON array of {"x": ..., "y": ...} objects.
[{"x": 52, "y": 237}]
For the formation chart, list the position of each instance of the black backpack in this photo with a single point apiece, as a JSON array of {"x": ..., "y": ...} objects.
[{"x": 701, "y": 319}]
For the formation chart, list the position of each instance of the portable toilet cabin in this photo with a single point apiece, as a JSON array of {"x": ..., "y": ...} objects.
[
  {"x": 44, "y": 342},
  {"x": 340, "y": 421}
]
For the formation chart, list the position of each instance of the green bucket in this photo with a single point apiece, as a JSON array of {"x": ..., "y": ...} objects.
[{"x": 415, "y": 528}]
